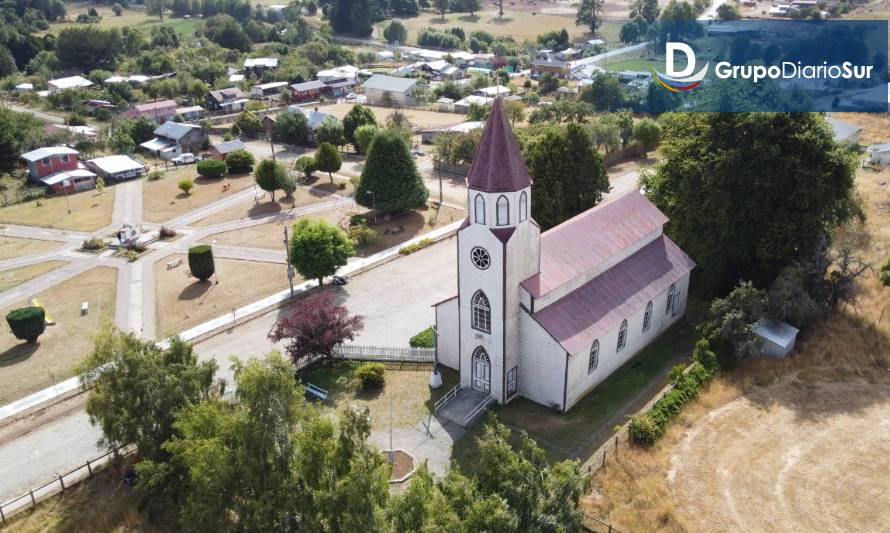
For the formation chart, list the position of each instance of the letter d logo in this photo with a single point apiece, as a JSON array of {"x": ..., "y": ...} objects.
[{"x": 669, "y": 60}]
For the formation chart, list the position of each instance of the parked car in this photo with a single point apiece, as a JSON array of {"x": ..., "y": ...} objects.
[{"x": 185, "y": 159}]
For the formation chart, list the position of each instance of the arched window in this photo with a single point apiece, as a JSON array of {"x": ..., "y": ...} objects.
[
  {"x": 503, "y": 206},
  {"x": 481, "y": 312},
  {"x": 647, "y": 318},
  {"x": 669, "y": 304},
  {"x": 523, "y": 206},
  {"x": 594, "y": 356},
  {"x": 479, "y": 209},
  {"x": 622, "y": 336}
]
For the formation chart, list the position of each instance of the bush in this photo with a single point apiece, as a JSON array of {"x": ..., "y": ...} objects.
[
  {"x": 201, "y": 261},
  {"x": 424, "y": 339},
  {"x": 117, "y": 8},
  {"x": 166, "y": 233},
  {"x": 238, "y": 162},
  {"x": 884, "y": 275},
  {"x": 361, "y": 234},
  {"x": 27, "y": 323},
  {"x": 94, "y": 244},
  {"x": 213, "y": 168},
  {"x": 371, "y": 375},
  {"x": 643, "y": 430},
  {"x": 186, "y": 185},
  {"x": 154, "y": 175},
  {"x": 419, "y": 245},
  {"x": 358, "y": 220}
]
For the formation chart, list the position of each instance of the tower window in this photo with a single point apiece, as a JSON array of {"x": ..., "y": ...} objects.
[
  {"x": 481, "y": 312},
  {"x": 594, "y": 360},
  {"x": 503, "y": 209},
  {"x": 479, "y": 209},
  {"x": 523, "y": 206},
  {"x": 622, "y": 336},
  {"x": 480, "y": 258},
  {"x": 647, "y": 318}
]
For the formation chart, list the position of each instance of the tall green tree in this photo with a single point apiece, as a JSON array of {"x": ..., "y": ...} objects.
[
  {"x": 327, "y": 159},
  {"x": 330, "y": 131},
  {"x": 292, "y": 128},
  {"x": 390, "y": 182},
  {"x": 590, "y": 14},
  {"x": 317, "y": 248},
  {"x": 358, "y": 116},
  {"x": 268, "y": 175},
  {"x": 648, "y": 9},
  {"x": 87, "y": 47},
  {"x": 570, "y": 177},
  {"x": 395, "y": 32},
  {"x": 750, "y": 193}
]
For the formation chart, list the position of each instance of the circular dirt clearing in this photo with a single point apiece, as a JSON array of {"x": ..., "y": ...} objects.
[{"x": 789, "y": 457}]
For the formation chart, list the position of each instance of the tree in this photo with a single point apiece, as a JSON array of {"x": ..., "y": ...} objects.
[
  {"x": 201, "y": 262},
  {"x": 390, "y": 182},
  {"x": 395, "y": 32},
  {"x": 248, "y": 123},
  {"x": 292, "y": 128},
  {"x": 327, "y": 159},
  {"x": 186, "y": 185},
  {"x": 442, "y": 7},
  {"x": 268, "y": 175},
  {"x": 330, "y": 131},
  {"x": 648, "y": 133},
  {"x": 515, "y": 112},
  {"x": 363, "y": 135},
  {"x": 472, "y": 6},
  {"x": 240, "y": 161},
  {"x": 398, "y": 121},
  {"x": 27, "y": 323},
  {"x": 314, "y": 327},
  {"x": 789, "y": 300},
  {"x": 100, "y": 185},
  {"x": 212, "y": 168},
  {"x": 156, "y": 8},
  {"x": 227, "y": 32},
  {"x": 625, "y": 120},
  {"x": 352, "y": 17},
  {"x": 629, "y": 33},
  {"x": 87, "y": 47},
  {"x": 728, "y": 12},
  {"x": 570, "y": 177},
  {"x": 748, "y": 194},
  {"x": 122, "y": 143},
  {"x": 318, "y": 248},
  {"x": 590, "y": 14},
  {"x": 647, "y": 9},
  {"x": 731, "y": 321},
  {"x": 884, "y": 274},
  {"x": 547, "y": 83},
  {"x": 357, "y": 117},
  {"x": 605, "y": 93},
  {"x": 117, "y": 9}
]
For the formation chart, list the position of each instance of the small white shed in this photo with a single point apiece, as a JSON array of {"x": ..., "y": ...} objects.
[
  {"x": 879, "y": 154},
  {"x": 777, "y": 337}
]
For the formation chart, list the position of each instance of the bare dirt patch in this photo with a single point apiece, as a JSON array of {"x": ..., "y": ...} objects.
[
  {"x": 26, "y": 368},
  {"x": 162, "y": 199},
  {"x": 418, "y": 118},
  {"x": 18, "y": 247},
  {"x": 17, "y": 276},
  {"x": 89, "y": 211},
  {"x": 182, "y": 301}
]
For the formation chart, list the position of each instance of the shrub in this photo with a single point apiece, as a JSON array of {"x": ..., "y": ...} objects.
[
  {"x": 371, "y": 375},
  {"x": 27, "y": 323},
  {"x": 419, "y": 245},
  {"x": 424, "y": 339},
  {"x": 201, "y": 261},
  {"x": 154, "y": 175},
  {"x": 213, "y": 168},
  {"x": 884, "y": 275},
  {"x": 358, "y": 220},
  {"x": 137, "y": 247},
  {"x": 238, "y": 162},
  {"x": 94, "y": 244},
  {"x": 117, "y": 8},
  {"x": 361, "y": 234},
  {"x": 643, "y": 430},
  {"x": 166, "y": 233},
  {"x": 186, "y": 185}
]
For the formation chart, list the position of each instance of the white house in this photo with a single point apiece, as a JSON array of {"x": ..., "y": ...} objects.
[
  {"x": 71, "y": 82},
  {"x": 548, "y": 316},
  {"x": 388, "y": 90},
  {"x": 879, "y": 154}
]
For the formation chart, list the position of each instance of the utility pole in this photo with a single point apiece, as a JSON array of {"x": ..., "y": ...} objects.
[
  {"x": 271, "y": 144},
  {"x": 290, "y": 267}
]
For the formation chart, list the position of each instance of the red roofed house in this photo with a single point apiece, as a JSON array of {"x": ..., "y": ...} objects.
[
  {"x": 548, "y": 316},
  {"x": 57, "y": 167},
  {"x": 159, "y": 112}
]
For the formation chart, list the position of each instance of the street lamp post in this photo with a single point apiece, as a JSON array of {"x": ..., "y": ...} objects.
[{"x": 290, "y": 267}]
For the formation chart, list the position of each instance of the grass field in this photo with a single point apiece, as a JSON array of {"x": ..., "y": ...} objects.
[
  {"x": 26, "y": 368},
  {"x": 17, "y": 276},
  {"x": 17, "y": 247},
  {"x": 89, "y": 211},
  {"x": 407, "y": 391},
  {"x": 162, "y": 199},
  {"x": 183, "y": 302},
  {"x": 129, "y": 17}
]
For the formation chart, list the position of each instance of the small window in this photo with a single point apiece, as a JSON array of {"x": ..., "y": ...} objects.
[
  {"x": 669, "y": 303},
  {"x": 65, "y": 158},
  {"x": 479, "y": 209},
  {"x": 622, "y": 336},
  {"x": 512, "y": 383},
  {"x": 481, "y": 312},
  {"x": 523, "y": 206},
  {"x": 44, "y": 161},
  {"x": 503, "y": 209},
  {"x": 647, "y": 318},
  {"x": 594, "y": 356},
  {"x": 480, "y": 258}
]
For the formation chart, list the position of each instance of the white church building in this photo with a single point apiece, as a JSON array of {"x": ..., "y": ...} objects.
[{"x": 548, "y": 316}]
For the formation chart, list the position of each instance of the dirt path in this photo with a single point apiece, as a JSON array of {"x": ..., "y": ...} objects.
[{"x": 789, "y": 457}]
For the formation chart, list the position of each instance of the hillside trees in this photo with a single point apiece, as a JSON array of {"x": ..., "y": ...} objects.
[
  {"x": 353, "y": 17},
  {"x": 87, "y": 47}
]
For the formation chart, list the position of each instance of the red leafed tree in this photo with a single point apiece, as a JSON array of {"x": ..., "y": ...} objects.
[{"x": 315, "y": 326}]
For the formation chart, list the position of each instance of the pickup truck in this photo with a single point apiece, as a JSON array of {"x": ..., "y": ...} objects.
[{"x": 185, "y": 159}]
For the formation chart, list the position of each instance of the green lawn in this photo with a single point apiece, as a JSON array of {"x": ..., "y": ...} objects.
[{"x": 576, "y": 434}]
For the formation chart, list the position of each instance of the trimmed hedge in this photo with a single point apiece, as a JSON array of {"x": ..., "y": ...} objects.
[
  {"x": 424, "y": 339},
  {"x": 212, "y": 168},
  {"x": 240, "y": 161},
  {"x": 419, "y": 245},
  {"x": 27, "y": 323},
  {"x": 371, "y": 375},
  {"x": 201, "y": 261}
]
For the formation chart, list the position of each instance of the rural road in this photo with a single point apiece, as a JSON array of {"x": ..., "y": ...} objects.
[{"x": 46, "y": 117}]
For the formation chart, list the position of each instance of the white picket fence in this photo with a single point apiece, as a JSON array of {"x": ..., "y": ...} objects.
[{"x": 385, "y": 353}]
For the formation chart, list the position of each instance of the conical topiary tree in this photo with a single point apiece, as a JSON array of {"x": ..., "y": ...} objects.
[
  {"x": 201, "y": 261},
  {"x": 27, "y": 323},
  {"x": 390, "y": 181}
]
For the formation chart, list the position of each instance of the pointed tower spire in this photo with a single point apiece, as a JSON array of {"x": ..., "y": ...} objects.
[{"x": 498, "y": 165}]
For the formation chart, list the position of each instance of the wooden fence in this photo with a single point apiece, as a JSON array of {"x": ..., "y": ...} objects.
[{"x": 385, "y": 353}]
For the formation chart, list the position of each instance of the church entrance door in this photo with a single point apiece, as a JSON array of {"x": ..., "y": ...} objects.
[{"x": 481, "y": 370}]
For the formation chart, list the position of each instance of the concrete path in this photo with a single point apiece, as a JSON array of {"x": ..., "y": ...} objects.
[
  {"x": 45, "y": 234},
  {"x": 430, "y": 440},
  {"x": 622, "y": 184},
  {"x": 127, "y": 205}
]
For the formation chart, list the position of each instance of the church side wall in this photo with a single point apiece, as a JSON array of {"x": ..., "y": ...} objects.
[
  {"x": 542, "y": 369},
  {"x": 447, "y": 326},
  {"x": 522, "y": 263}
]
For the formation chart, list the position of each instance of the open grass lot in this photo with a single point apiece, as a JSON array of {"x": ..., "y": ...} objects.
[
  {"x": 28, "y": 368},
  {"x": 162, "y": 199},
  {"x": 418, "y": 118},
  {"x": 320, "y": 191},
  {"x": 89, "y": 211},
  {"x": 875, "y": 126},
  {"x": 17, "y": 276},
  {"x": 129, "y": 17},
  {"x": 406, "y": 392},
  {"x": 183, "y": 302},
  {"x": 18, "y": 247}
]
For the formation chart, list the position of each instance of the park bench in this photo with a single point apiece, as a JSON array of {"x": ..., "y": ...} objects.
[
  {"x": 317, "y": 392},
  {"x": 175, "y": 263},
  {"x": 258, "y": 197},
  {"x": 84, "y": 308}
]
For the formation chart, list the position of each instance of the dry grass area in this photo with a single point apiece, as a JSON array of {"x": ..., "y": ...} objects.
[
  {"x": 26, "y": 368},
  {"x": 321, "y": 191},
  {"x": 517, "y": 24},
  {"x": 418, "y": 118},
  {"x": 17, "y": 276},
  {"x": 11, "y": 247},
  {"x": 183, "y": 302},
  {"x": 162, "y": 199},
  {"x": 875, "y": 126},
  {"x": 89, "y": 211}
]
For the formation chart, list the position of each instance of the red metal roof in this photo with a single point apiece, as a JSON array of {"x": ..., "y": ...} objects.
[
  {"x": 580, "y": 244},
  {"x": 498, "y": 165},
  {"x": 598, "y": 306}
]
